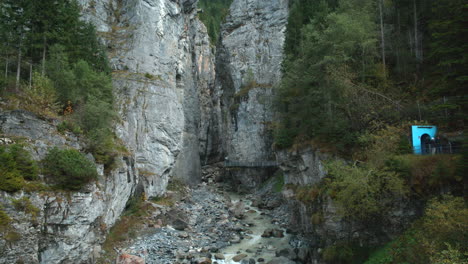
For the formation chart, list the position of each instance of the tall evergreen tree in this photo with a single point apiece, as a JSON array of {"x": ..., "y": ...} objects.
[{"x": 449, "y": 34}]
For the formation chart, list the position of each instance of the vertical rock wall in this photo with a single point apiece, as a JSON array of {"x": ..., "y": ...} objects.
[
  {"x": 249, "y": 60},
  {"x": 164, "y": 69}
]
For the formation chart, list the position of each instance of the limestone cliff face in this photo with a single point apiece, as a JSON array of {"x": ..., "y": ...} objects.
[
  {"x": 249, "y": 59},
  {"x": 303, "y": 166},
  {"x": 164, "y": 70},
  {"x": 70, "y": 226}
]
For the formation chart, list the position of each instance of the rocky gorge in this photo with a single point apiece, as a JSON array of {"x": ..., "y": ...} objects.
[
  {"x": 175, "y": 97},
  {"x": 185, "y": 106}
]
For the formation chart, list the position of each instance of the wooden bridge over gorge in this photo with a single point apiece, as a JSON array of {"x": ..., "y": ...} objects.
[{"x": 245, "y": 164}]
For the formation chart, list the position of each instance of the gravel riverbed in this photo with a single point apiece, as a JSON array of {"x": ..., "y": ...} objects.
[{"x": 210, "y": 225}]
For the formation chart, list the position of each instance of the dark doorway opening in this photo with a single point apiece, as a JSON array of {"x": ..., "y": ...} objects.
[{"x": 425, "y": 144}]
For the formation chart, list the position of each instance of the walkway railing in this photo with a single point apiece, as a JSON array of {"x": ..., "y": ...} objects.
[
  {"x": 244, "y": 164},
  {"x": 429, "y": 149}
]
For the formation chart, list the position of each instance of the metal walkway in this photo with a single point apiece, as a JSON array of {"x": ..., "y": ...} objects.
[{"x": 243, "y": 164}]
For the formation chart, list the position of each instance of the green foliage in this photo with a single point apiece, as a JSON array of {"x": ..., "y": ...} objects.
[
  {"x": 176, "y": 185},
  {"x": 378, "y": 146},
  {"x": 317, "y": 218},
  {"x": 362, "y": 193},
  {"x": 68, "y": 168},
  {"x": 16, "y": 165},
  {"x": 52, "y": 22},
  {"x": 24, "y": 204},
  {"x": 346, "y": 253},
  {"x": 381, "y": 256},
  {"x": 6, "y": 229},
  {"x": 439, "y": 237},
  {"x": 450, "y": 256},
  {"x": 300, "y": 13},
  {"x": 11, "y": 181},
  {"x": 284, "y": 136},
  {"x": 41, "y": 97},
  {"x": 278, "y": 182},
  {"x": 426, "y": 174},
  {"x": 337, "y": 254},
  {"x": 35, "y": 186},
  {"x": 71, "y": 126},
  {"x": 213, "y": 14},
  {"x": 91, "y": 94},
  {"x": 23, "y": 162},
  {"x": 73, "y": 66},
  {"x": 12, "y": 236},
  {"x": 5, "y": 220},
  {"x": 326, "y": 90},
  {"x": 129, "y": 225},
  {"x": 336, "y": 83},
  {"x": 134, "y": 206},
  {"x": 449, "y": 42}
]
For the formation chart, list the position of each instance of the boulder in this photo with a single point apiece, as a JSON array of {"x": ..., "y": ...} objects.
[
  {"x": 203, "y": 261},
  {"x": 238, "y": 209},
  {"x": 239, "y": 257},
  {"x": 270, "y": 232},
  {"x": 219, "y": 256}
]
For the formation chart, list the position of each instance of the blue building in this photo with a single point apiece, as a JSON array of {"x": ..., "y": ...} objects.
[{"x": 423, "y": 139}]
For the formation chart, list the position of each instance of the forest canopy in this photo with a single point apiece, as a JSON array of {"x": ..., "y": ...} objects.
[
  {"x": 56, "y": 66},
  {"x": 212, "y": 15},
  {"x": 353, "y": 67}
]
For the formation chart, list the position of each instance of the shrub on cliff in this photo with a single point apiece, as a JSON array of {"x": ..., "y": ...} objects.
[
  {"x": 69, "y": 169},
  {"x": 428, "y": 174},
  {"x": 16, "y": 165},
  {"x": 5, "y": 220},
  {"x": 362, "y": 193}
]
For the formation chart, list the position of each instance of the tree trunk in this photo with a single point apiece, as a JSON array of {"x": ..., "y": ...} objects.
[
  {"x": 6, "y": 67},
  {"x": 363, "y": 65},
  {"x": 44, "y": 49},
  {"x": 18, "y": 69},
  {"x": 400, "y": 39},
  {"x": 30, "y": 74},
  {"x": 416, "y": 41},
  {"x": 382, "y": 36}
]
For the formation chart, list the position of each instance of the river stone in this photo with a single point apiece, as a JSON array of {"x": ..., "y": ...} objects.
[
  {"x": 251, "y": 261},
  {"x": 235, "y": 239},
  {"x": 273, "y": 233},
  {"x": 239, "y": 257},
  {"x": 203, "y": 261},
  {"x": 238, "y": 210},
  {"x": 219, "y": 256},
  {"x": 278, "y": 233},
  {"x": 261, "y": 260}
]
